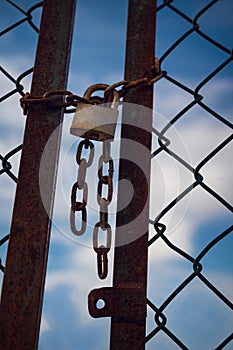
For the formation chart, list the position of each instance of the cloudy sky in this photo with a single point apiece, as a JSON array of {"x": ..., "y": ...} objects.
[{"x": 98, "y": 56}]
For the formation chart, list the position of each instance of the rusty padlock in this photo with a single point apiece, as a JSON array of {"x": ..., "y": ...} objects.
[{"x": 96, "y": 122}]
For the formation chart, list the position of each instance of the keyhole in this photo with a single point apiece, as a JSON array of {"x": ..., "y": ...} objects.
[{"x": 100, "y": 304}]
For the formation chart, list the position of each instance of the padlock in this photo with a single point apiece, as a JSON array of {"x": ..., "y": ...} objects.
[{"x": 95, "y": 122}]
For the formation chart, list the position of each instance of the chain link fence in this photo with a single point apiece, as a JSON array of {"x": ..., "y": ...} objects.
[
  {"x": 208, "y": 118},
  {"x": 193, "y": 121}
]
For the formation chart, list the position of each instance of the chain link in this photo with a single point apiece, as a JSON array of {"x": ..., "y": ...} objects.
[
  {"x": 102, "y": 250},
  {"x": 81, "y": 185},
  {"x": 105, "y": 179}
]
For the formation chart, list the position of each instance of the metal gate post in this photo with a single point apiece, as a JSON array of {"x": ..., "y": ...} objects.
[
  {"x": 130, "y": 261},
  {"x": 23, "y": 285},
  {"x": 125, "y": 302}
]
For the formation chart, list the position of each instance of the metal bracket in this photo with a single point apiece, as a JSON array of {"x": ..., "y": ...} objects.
[{"x": 117, "y": 302}]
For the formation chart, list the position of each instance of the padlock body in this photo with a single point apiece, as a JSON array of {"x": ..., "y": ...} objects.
[{"x": 94, "y": 122}]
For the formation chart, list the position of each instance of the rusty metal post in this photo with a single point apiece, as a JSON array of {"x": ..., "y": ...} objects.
[
  {"x": 125, "y": 302},
  {"x": 23, "y": 285},
  {"x": 130, "y": 261}
]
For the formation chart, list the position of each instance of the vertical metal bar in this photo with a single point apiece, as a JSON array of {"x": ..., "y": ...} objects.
[
  {"x": 23, "y": 285},
  {"x": 130, "y": 261}
]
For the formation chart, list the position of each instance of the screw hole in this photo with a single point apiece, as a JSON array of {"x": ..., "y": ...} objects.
[{"x": 100, "y": 304}]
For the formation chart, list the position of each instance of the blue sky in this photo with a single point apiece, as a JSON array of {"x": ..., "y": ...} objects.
[{"x": 196, "y": 316}]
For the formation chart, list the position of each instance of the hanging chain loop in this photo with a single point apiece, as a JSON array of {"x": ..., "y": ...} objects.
[
  {"x": 77, "y": 206},
  {"x": 86, "y": 144},
  {"x": 104, "y": 178},
  {"x": 83, "y": 220},
  {"x": 102, "y": 251},
  {"x": 81, "y": 185},
  {"x": 103, "y": 213}
]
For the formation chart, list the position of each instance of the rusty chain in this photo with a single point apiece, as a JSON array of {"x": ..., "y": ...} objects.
[
  {"x": 102, "y": 250},
  {"x": 81, "y": 185},
  {"x": 65, "y": 99}
]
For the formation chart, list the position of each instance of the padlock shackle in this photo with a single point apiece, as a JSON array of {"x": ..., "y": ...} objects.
[
  {"x": 100, "y": 87},
  {"x": 96, "y": 87}
]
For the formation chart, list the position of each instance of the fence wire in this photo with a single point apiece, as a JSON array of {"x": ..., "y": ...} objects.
[
  {"x": 22, "y": 19},
  {"x": 197, "y": 94},
  {"x": 156, "y": 222}
]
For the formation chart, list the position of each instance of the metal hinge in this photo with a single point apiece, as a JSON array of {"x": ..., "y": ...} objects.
[{"x": 116, "y": 302}]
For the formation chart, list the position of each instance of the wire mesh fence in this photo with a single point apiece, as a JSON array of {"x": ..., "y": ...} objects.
[
  {"x": 200, "y": 107},
  {"x": 203, "y": 126}
]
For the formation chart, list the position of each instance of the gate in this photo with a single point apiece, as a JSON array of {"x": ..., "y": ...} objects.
[{"x": 169, "y": 289}]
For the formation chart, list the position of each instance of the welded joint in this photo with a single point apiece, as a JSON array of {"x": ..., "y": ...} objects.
[{"x": 118, "y": 303}]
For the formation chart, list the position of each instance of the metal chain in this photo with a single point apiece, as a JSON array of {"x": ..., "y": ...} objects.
[
  {"x": 65, "y": 99},
  {"x": 81, "y": 185},
  {"x": 102, "y": 250},
  {"x": 69, "y": 99}
]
